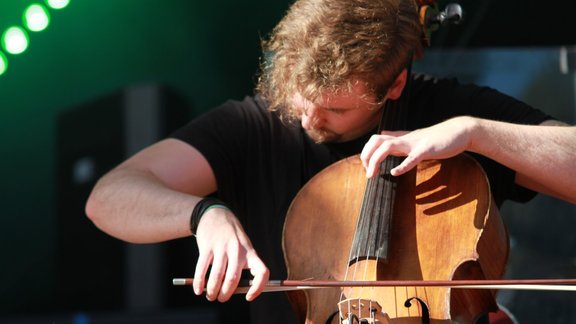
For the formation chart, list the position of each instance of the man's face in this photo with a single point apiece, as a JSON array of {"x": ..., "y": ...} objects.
[{"x": 340, "y": 116}]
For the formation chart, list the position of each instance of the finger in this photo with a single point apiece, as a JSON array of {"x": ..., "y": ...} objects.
[
  {"x": 408, "y": 164},
  {"x": 368, "y": 149},
  {"x": 260, "y": 273},
  {"x": 216, "y": 275},
  {"x": 204, "y": 261},
  {"x": 377, "y": 157},
  {"x": 232, "y": 278}
]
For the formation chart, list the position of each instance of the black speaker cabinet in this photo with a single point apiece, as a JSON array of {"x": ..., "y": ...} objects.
[{"x": 95, "y": 271}]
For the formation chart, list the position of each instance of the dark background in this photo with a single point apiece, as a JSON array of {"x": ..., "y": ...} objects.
[{"x": 199, "y": 53}]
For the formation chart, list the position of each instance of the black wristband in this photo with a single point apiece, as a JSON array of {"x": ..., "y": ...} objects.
[{"x": 201, "y": 207}]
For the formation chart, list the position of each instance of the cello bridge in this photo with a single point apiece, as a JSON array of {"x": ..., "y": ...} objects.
[{"x": 356, "y": 311}]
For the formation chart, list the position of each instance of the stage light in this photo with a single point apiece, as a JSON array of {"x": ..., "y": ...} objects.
[
  {"x": 3, "y": 63},
  {"x": 36, "y": 17},
  {"x": 57, "y": 4},
  {"x": 15, "y": 40}
]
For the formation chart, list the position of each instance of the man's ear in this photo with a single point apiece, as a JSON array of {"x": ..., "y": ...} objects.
[{"x": 396, "y": 88}]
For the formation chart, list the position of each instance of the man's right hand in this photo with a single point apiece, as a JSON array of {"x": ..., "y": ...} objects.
[{"x": 223, "y": 244}]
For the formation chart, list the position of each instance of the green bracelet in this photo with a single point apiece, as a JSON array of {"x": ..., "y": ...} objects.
[{"x": 202, "y": 207}]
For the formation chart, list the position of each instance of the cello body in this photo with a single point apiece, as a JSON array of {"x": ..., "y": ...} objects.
[{"x": 445, "y": 226}]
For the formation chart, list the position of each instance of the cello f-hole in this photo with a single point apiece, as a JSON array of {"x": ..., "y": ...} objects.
[{"x": 425, "y": 311}]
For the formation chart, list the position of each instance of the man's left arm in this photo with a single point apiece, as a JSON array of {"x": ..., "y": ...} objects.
[{"x": 543, "y": 156}]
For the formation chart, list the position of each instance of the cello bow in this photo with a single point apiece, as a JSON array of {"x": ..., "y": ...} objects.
[{"x": 510, "y": 284}]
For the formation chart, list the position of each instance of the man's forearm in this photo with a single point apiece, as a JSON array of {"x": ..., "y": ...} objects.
[
  {"x": 543, "y": 156},
  {"x": 135, "y": 206}
]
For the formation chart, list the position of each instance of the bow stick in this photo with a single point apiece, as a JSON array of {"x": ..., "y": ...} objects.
[{"x": 517, "y": 284}]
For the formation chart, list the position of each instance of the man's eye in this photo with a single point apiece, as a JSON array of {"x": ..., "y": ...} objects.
[{"x": 336, "y": 111}]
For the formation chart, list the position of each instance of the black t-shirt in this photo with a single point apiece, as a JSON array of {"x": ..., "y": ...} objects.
[{"x": 260, "y": 163}]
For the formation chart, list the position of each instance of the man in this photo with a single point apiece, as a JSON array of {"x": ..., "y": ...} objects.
[{"x": 331, "y": 65}]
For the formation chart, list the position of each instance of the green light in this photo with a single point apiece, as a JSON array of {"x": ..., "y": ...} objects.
[
  {"x": 15, "y": 40},
  {"x": 3, "y": 63},
  {"x": 57, "y": 4},
  {"x": 36, "y": 17}
]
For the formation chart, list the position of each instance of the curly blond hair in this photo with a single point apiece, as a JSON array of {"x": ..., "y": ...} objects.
[{"x": 324, "y": 45}]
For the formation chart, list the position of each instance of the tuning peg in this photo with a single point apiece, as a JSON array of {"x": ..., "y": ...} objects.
[{"x": 452, "y": 14}]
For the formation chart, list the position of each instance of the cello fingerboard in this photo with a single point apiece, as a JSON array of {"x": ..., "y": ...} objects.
[{"x": 372, "y": 236}]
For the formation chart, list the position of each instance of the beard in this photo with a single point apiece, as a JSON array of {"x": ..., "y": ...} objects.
[{"x": 323, "y": 135}]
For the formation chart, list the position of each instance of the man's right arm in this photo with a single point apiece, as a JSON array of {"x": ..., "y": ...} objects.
[{"x": 150, "y": 197}]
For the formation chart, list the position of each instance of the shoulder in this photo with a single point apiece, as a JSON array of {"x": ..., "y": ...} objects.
[
  {"x": 449, "y": 87},
  {"x": 445, "y": 87},
  {"x": 447, "y": 97},
  {"x": 249, "y": 105},
  {"x": 236, "y": 124},
  {"x": 231, "y": 115}
]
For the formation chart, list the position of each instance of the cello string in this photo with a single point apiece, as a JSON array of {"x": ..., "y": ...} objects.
[
  {"x": 414, "y": 294},
  {"x": 351, "y": 253},
  {"x": 367, "y": 212},
  {"x": 376, "y": 213},
  {"x": 365, "y": 277},
  {"x": 361, "y": 225},
  {"x": 377, "y": 192}
]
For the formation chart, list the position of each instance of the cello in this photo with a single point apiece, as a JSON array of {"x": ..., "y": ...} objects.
[{"x": 435, "y": 223}]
